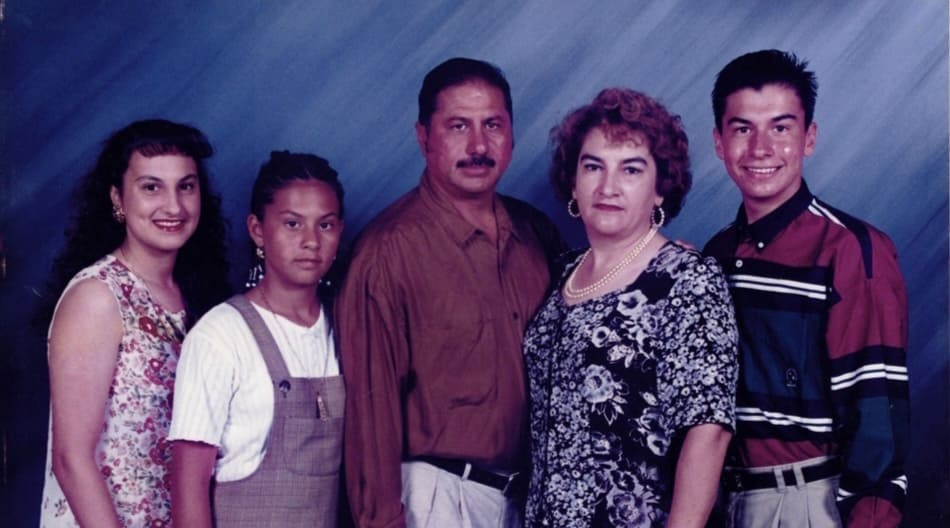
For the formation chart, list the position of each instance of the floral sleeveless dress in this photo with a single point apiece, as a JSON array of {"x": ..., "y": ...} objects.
[{"x": 132, "y": 452}]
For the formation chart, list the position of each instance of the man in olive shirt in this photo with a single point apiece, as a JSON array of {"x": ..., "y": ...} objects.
[{"x": 430, "y": 320}]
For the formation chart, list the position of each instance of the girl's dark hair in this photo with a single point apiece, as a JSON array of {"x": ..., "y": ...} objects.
[
  {"x": 284, "y": 167},
  {"x": 201, "y": 267}
]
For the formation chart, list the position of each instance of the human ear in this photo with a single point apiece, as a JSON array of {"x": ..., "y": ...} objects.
[
  {"x": 717, "y": 143},
  {"x": 422, "y": 136},
  {"x": 115, "y": 196},
  {"x": 811, "y": 136},
  {"x": 255, "y": 230}
]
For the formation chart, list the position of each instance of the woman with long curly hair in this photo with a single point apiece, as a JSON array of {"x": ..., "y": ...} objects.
[{"x": 144, "y": 258}]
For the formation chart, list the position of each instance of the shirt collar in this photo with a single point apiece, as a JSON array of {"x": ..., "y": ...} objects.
[
  {"x": 762, "y": 231},
  {"x": 459, "y": 230}
]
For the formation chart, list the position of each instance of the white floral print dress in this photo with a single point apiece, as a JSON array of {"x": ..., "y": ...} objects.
[
  {"x": 132, "y": 452},
  {"x": 616, "y": 381}
]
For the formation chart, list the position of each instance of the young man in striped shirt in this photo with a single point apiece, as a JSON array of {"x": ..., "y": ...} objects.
[{"x": 822, "y": 405}]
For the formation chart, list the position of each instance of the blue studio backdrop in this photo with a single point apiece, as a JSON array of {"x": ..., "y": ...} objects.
[{"x": 340, "y": 79}]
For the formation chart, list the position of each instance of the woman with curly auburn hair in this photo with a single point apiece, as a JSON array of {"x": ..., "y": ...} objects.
[
  {"x": 632, "y": 358},
  {"x": 144, "y": 258}
]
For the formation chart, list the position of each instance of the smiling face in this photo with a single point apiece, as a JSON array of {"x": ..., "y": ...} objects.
[
  {"x": 468, "y": 142},
  {"x": 763, "y": 143},
  {"x": 300, "y": 233},
  {"x": 162, "y": 202},
  {"x": 615, "y": 186}
]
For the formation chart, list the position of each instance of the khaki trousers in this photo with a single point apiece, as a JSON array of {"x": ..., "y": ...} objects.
[
  {"x": 435, "y": 498},
  {"x": 789, "y": 505}
]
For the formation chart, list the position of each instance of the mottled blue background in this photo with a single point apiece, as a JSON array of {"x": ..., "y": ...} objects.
[{"x": 341, "y": 80}]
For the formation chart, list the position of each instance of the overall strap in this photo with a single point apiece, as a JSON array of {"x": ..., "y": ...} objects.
[{"x": 265, "y": 341}]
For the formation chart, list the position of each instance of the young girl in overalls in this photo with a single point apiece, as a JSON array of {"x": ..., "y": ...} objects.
[{"x": 258, "y": 411}]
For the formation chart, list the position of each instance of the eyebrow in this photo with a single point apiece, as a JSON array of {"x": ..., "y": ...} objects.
[
  {"x": 741, "y": 121},
  {"x": 636, "y": 159},
  {"x": 295, "y": 213},
  {"x": 150, "y": 177}
]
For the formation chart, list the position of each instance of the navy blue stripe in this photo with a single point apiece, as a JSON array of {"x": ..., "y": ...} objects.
[
  {"x": 868, "y": 355},
  {"x": 875, "y": 388},
  {"x": 860, "y": 230},
  {"x": 819, "y": 275},
  {"x": 747, "y": 297},
  {"x": 789, "y": 405},
  {"x": 785, "y": 433},
  {"x": 785, "y": 302}
]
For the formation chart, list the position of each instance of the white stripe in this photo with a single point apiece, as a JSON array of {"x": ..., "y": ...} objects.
[
  {"x": 869, "y": 372},
  {"x": 752, "y": 286},
  {"x": 901, "y": 482},
  {"x": 753, "y": 414},
  {"x": 842, "y": 494},
  {"x": 778, "y": 282},
  {"x": 870, "y": 367},
  {"x": 869, "y": 376},
  {"x": 819, "y": 210}
]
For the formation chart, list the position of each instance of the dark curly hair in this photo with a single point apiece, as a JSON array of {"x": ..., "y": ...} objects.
[
  {"x": 201, "y": 266},
  {"x": 621, "y": 113}
]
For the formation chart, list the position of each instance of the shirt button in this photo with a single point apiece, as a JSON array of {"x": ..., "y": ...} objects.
[
  {"x": 739, "y": 263},
  {"x": 514, "y": 315},
  {"x": 760, "y": 245}
]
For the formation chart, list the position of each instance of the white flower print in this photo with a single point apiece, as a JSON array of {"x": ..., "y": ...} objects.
[{"x": 607, "y": 380}]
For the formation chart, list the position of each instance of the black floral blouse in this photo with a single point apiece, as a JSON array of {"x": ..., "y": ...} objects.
[{"x": 616, "y": 381}]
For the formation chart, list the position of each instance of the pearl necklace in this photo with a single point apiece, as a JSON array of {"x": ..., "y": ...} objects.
[{"x": 576, "y": 293}]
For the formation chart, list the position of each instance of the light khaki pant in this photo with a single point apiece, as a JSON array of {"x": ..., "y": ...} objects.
[
  {"x": 789, "y": 505},
  {"x": 435, "y": 498}
]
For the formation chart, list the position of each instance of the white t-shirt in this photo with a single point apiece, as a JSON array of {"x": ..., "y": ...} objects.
[{"x": 223, "y": 392}]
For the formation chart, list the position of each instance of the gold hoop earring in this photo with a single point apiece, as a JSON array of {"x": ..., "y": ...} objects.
[
  {"x": 653, "y": 221},
  {"x": 573, "y": 208},
  {"x": 118, "y": 214}
]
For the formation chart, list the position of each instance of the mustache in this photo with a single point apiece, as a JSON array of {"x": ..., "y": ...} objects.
[{"x": 475, "y": 161}]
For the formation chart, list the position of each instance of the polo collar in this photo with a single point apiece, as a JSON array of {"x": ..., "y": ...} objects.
[
  {"x": 460, "y": 231},
  {"x": 765, "y": 229}
]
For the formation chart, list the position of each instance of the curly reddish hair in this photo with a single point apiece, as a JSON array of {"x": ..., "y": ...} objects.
[{"x": 623, "y": 114}]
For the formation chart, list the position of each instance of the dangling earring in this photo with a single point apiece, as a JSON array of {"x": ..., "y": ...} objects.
[
  {"x": 118, "y": 214},
  {"x": 256, "y": 274},
  {"x": 573, "y": 208},
  {"x": 654, "y": 223}
]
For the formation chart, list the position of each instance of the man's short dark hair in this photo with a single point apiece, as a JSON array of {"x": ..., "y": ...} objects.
[
  {"x": 755, "y": 70},
  {"x": 454, "y": 72}
]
